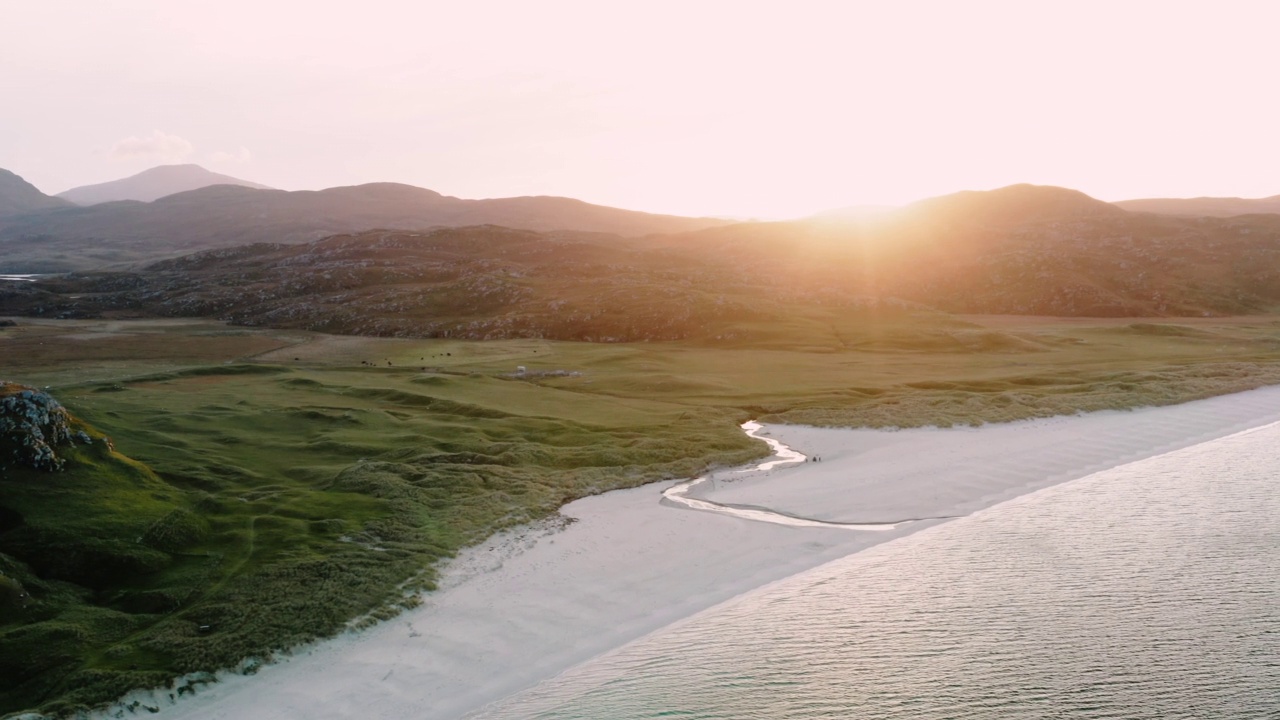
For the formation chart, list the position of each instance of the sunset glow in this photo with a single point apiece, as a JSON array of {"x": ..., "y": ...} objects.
[
  {"x": 739, "y": 109},
  {"x": 571, "y": 359}
]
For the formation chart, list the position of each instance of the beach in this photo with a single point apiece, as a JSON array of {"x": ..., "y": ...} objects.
[{"x": 531, "y": 603}]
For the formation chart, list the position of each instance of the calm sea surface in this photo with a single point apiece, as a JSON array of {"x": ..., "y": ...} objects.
[{"x": 1147, "y": 591}]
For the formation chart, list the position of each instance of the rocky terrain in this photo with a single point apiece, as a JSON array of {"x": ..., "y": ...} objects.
[
  {"x": 482, "y": 283},
  {"x": 32, "y": 427}
]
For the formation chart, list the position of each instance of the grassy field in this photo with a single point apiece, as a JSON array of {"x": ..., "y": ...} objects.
[
  {"x": 884, "y": 370},
  {"x": 269, "y": 487}
]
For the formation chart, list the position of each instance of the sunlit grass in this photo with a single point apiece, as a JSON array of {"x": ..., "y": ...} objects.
[{"x": 286, "y": 503}]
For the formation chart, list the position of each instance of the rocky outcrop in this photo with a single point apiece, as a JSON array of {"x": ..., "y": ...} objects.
[{"x": 32, "y": 427}]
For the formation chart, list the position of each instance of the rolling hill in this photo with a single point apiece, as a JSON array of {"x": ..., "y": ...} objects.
[
  {"x": 129, "y": 232},
  {"x": 1021, "y": 250}
]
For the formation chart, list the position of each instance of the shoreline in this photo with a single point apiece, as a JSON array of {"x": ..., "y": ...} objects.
[{"x": 528, "y": 604}]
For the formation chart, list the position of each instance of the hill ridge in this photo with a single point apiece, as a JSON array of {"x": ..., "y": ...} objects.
[
  {"x": 121, "y": 233},
  {"x": 17, "y": 196}
]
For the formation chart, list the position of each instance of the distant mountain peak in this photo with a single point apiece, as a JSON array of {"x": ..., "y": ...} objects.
[{"x": 153, "y": 184}]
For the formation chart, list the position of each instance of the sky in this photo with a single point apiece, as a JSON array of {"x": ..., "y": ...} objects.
[{"x": 741, "y": 109}]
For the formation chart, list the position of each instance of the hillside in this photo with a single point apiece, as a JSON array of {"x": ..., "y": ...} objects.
[
  {"x": 130, "y": 232},
  {"x": 1015, "y": 251},
  {"x": 281, "y": 507},
  {"x": 74, "y": 569},
  {"x": 153, "y": 184},
  {"x": 17, "y": 196},
  {"x": 1009, "y": 251},
  {"x": 1204, "y": 206},
  {"x": 1010, "y": 205},
  {"x": 481, "y": 282}
]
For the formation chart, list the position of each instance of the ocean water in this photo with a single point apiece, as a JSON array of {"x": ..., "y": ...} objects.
[{"x": 1151, "y": 590}]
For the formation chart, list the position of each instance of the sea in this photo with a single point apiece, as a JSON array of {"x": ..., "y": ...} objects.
[{"x": 1150, "y": 590}]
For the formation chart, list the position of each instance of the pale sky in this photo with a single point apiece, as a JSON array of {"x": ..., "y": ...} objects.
[{"x": 746, "y": 109}]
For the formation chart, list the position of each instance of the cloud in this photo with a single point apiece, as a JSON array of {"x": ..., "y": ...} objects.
[
  {"x": 157, "y": 146},
  {"x": 239, "y": 156}
]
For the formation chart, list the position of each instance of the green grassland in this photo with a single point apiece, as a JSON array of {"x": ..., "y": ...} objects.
[
  {"x": 888, "y": 368},
  {"x": 270, "y": 487}
]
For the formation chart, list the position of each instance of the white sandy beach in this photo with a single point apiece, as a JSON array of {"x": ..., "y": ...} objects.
[{"x": 527, "y": 605}]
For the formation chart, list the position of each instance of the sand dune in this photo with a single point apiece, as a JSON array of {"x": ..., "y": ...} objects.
[{"x": 529, "y": 604}]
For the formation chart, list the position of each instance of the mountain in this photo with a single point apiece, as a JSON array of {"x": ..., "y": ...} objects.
[
  {"x": 153, "y": 184},
  {"x": 17, "y": 196},
  {"x": 1027, "y": 250},
  {"x": 1012, "y": 204},
  {"x": 126, "y": 232},
  {"x": 1204, "y": 206},
  {"x": 1019, "y": 251}
]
